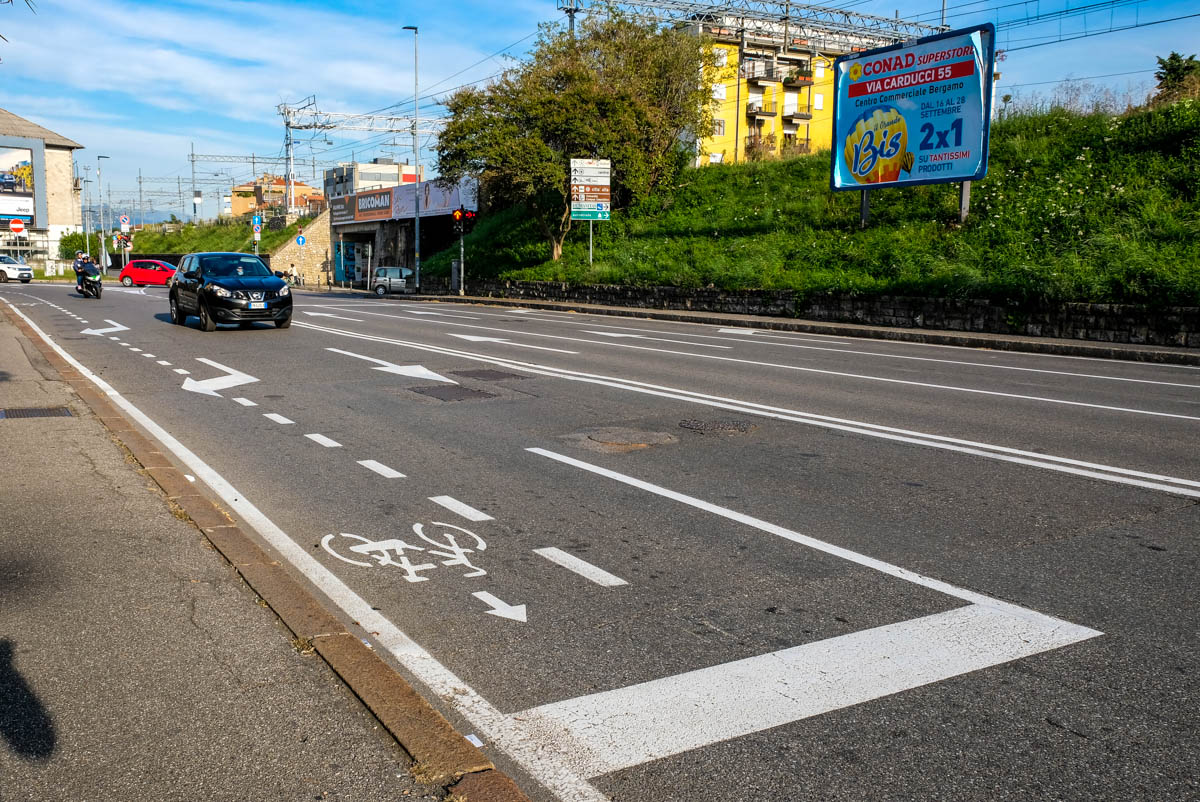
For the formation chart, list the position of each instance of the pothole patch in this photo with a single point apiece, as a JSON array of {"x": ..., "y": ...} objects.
[
  {"x": 718, "y": 426},
  {"x": 618, "y": 439}
]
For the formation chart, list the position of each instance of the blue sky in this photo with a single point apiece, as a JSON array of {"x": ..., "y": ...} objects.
[{"x": 141, "y": 82}]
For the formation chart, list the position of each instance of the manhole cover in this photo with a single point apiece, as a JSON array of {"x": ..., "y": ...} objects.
[
  {"x": 718, "y": 426},
  {"x": 485, "y": 375},
  {"x": 616, "y": 439},
  {"x": 36, "y": 412},
  {"x": 443, "y": 393}
]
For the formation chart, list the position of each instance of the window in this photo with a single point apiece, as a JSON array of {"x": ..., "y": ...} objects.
[
  {"x": 718, "y": 91},
  {"x": 819, "y": 71},
  {"x": 718, "y": 128},
  {"x": 721, "y": 56},
  {"x": 818, "y": 101}
]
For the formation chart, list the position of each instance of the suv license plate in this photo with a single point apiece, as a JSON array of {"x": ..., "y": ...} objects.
[{"x": 257, "y": 305}]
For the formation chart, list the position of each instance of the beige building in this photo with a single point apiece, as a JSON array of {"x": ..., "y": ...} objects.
[
  {"x": 270, "y": 191},
  {"x": 38, "y": 187}
]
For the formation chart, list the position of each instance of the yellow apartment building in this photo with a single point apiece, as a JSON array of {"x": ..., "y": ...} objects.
[{"x": 773, "y": 85}]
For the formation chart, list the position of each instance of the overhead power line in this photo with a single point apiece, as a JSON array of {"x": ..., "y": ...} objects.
[{"x": 1101, "y": 33}]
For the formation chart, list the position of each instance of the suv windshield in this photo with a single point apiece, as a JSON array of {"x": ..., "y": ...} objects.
[{"x": 224, "y": 265}]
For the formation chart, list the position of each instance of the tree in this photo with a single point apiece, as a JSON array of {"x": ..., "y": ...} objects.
[
  {"x": 622, "y": 90},
  {"x": 1176, "y": 75}
]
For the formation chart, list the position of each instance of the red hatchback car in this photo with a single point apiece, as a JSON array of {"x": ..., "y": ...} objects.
[{"x": 146, "y": 271}]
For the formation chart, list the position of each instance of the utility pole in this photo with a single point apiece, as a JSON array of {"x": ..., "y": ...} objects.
[
  {"x": 103, "y": 251},
  {"x": 417, "y": 162},
  {"x": 87, "y": 201},
  {"x": 141, "y": 201},
  {"x": 195, "y": 211},
  {"x": 570, "y": 11},
  {"x": 290, "y": 199}
]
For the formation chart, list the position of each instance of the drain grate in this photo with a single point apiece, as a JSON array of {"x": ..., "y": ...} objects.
[
  {"x": 485, "y": 375},
  {"x": 35, "y": 412},
  {"x": 455, "y": 393}
]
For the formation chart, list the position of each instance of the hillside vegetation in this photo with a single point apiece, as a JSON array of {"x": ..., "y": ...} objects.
[
  {"x": 219, "y": 236},
  {"x": 1075, "y": 207}
]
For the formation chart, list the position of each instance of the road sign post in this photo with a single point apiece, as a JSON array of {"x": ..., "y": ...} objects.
[
  {"x": 257, "y": 227},
  {"x": 591, "y": 194}
]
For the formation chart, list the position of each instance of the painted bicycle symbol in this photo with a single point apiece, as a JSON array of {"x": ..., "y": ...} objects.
[{"x": 391, "y": 552}]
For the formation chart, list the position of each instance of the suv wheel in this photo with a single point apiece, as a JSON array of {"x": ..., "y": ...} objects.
[
  {"x": 381, "y": 290},
  {"x": 177, "y": 315},
  {"x": 3, "y": 277},
  {"x": 206, "y": 321}
]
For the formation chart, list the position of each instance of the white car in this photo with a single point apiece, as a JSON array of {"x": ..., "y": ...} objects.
[{"x": 11, "y": 268}]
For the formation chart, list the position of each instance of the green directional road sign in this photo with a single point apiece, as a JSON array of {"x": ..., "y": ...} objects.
[{"x": 588, "y": 214}]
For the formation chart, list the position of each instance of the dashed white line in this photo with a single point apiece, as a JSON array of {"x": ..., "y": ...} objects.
[
  {"x": 246, "y": 402},
  {"x": 126, "y": 345},
  {"x": 323, "y": 440},
  {"x": 182, "y": 372},
  {"x": 275, "y": 416},
  {"x": 135, "y": 350},
  {"x": 111, "y": 338},
  {"x": 164, "y": 362},
  {"x": 380, "y": 468},
  {"x": 582, "y": 567},
  {"x": 457, "y": 507},
  {"x": 148, "y": 356}
]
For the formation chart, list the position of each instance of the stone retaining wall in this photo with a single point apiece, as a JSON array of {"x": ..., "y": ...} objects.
[{"x": 1110, "y": 323}]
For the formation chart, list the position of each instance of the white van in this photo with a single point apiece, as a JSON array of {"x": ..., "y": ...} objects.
[{"x": 391, "y": 279}]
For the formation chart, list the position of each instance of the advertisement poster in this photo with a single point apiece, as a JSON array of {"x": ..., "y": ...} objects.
[
  {"x": 436, "y": 199},
  {"x": 915, "y": 113},
  {"x": 16, "y": 183},
  {"x": 373, "y": 205}
]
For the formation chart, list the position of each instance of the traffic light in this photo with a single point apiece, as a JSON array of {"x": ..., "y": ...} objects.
[{"x": 460, "y": 216}]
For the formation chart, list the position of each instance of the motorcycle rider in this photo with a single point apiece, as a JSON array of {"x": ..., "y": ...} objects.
[{"x": 77, "y": 266}]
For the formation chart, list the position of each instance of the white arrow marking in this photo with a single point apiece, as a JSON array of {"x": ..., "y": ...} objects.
[
  {"x": 502, "y": 609},
  {"x": 210, "y": 386},
  {"x": 474, "y": 339},
  {"x": 327, "y": 314},
  {"x": 115, "y": 327},
  {"x": 415, "y": 371},
  {"x": 656, "y": 339}
]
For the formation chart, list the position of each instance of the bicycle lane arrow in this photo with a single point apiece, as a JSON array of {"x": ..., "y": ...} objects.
[
  {"x": 115, "y": 327},
  {"x": 210, "y": 386},
  {"x": 514, "y": 611}
]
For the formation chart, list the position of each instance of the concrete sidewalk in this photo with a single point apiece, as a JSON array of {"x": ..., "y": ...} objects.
[{"x": 135, "y": 663}]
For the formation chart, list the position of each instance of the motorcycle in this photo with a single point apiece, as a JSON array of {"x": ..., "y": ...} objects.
[{"x": 89, "y": 282}]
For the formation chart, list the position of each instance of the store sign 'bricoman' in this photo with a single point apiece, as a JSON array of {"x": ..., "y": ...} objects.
[
  {"x": 914, "y": 113},
  {"x": 373, "y": 205}
]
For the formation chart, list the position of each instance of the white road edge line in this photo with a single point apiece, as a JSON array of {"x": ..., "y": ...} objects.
[
  {"x": 457, "y": 507},
  {"x": 527, "y": 748},
  {"x": 1092, "y": 470},
  {"x": 582, "y": 567},
  {"x": 323, "y": 440}
]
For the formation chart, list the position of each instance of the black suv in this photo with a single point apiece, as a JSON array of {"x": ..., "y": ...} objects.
[{"x": 228, "y": 288}]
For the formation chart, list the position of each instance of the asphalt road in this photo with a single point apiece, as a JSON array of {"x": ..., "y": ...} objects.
[{"x": 720, "y": 564}]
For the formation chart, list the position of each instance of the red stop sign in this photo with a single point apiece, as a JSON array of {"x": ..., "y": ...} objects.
[{"x": 16, "y": 226}]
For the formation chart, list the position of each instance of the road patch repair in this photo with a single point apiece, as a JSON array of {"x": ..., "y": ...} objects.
[{"x": 441, "y": 755}]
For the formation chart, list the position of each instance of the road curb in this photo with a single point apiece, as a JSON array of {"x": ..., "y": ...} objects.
[
  {"x": 995, "y": 342},
  {"x": 441, "y": 755}
]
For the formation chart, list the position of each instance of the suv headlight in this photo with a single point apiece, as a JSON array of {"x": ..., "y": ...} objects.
[
  {"x": 284, "y": 291},
  {"x": 221, "y": 292}
]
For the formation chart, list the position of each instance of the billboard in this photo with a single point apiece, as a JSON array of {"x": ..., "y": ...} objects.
[
  {"x": 373, "y": 205},
  {"x": 436, "y": 199},
  {"x": 914, "y": 113},
  {"x": 16, "y": 183},
  {"x": 341, "y": 210}
]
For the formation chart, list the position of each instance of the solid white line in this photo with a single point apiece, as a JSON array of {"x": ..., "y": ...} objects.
[
  {"x": 818, "y": 371},
  {"x": 275, "y": 416},
  {"x": 1002, "y": 453},
  {"x": 528, "y": 749},
  {"x": 323, "y": 440},
  {"x": 381, "y": 469},
  {"x": 456, "y": 506},
  {"x": 246, "y": 402},
  {"x": 638, "y": 723},
  {"x": 583, "y": 568}
]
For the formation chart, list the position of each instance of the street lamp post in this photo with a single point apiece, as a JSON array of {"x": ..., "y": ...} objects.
[
  {"x": 103, "y": 252},
  {"x": 417, "y": 160}
]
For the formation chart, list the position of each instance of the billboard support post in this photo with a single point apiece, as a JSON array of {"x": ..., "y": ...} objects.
[
  {"x": 964, "y": 201},
  {"x": 864, "y": 208}
]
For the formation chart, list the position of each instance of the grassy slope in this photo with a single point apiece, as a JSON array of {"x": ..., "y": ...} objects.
[
  {"x": 1084, "y": 208},
  {"x": 211, "y": 237}
]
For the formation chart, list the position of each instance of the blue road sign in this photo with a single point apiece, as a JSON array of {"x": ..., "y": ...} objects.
[
  {"x": 256, "y": 220},
  {"x": 300, "y": 240}
]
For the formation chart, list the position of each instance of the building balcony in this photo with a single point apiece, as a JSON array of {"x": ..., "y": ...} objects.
[
  {"x": 760, "y": 108},
  {"x": 763, "y": 74},
  {"x": 796, "y": 79},
  {"x": 797, "y": 115},
  {"x": 759, "y": 147},
  {"x": 792, "y": 147}
]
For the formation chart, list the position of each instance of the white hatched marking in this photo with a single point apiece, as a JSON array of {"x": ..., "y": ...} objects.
[
  {"x": 381, "y": 469},
  {"x": 323, "y": 440},
  {"x": 457, "y": 507},
  {"x": 275, "y": 416},
  {"x": 582, "y": 567}
]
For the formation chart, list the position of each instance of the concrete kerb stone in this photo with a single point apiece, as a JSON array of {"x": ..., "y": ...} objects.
[
  {"x": 488, "y": 786},
  {"x": 442, "y": 754}
]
